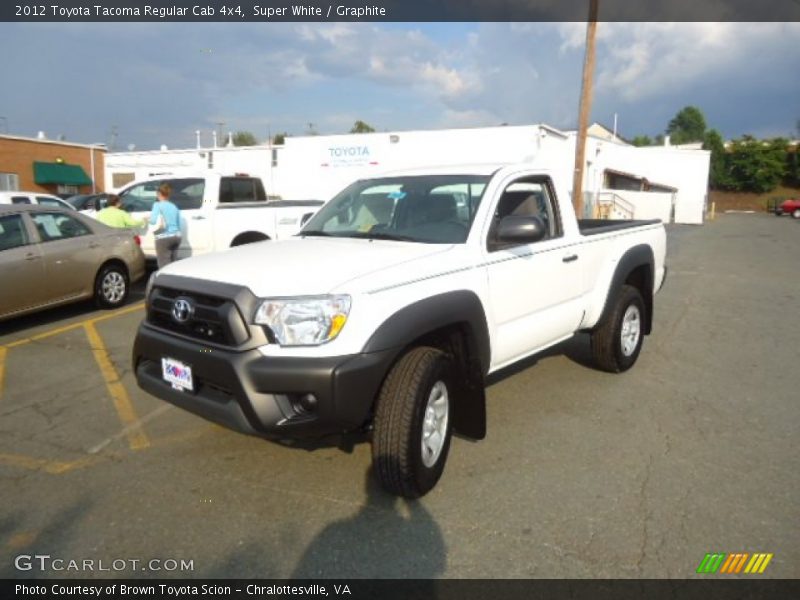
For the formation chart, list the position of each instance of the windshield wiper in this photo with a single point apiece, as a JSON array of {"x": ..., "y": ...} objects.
[
  {"x": 316, "y": 232},
  {"x": 380, "y": 235}
]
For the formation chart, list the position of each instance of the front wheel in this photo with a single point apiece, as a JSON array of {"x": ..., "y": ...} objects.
[
  {"x": 111, "y": 286},
  {"x": 616, "y": 343},
  {"x": 412, "y": 428},
  {"x": 796, "y": 213}
]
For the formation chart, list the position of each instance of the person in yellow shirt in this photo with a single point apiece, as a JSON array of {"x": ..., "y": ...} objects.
[{"x": 114, "y": 216}]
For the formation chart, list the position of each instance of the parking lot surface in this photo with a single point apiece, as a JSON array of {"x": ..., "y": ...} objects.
[{"x": 583, "y": 473}]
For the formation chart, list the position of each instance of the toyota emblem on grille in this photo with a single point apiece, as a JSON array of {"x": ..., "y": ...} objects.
[{"x": 182, "y": 310}]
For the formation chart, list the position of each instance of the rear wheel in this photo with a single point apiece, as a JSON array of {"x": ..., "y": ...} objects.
[
  {"x": 111, "y": 286},
  {"x": 616, "y": 343},
  {"x": 796, "y": 213},
  {"x": 413, "y": 425}
]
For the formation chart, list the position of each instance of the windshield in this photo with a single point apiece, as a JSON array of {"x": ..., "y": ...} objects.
[{"x": 433, "y": 209}]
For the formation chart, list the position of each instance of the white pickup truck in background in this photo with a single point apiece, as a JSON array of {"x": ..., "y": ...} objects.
[
  {"x": 218, "y": 211},
  {"x": 386, "y": 314}
]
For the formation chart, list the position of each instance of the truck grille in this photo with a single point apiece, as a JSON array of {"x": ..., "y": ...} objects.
[{"x": 210, "y": 319}]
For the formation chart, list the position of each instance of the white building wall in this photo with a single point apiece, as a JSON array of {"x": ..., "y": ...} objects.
[
  {"x": 649, "y": 205},
  {"x": 317, "y": 167},
  {"x": 321, "y": 166},
  {"x": 683, "y": 169}
]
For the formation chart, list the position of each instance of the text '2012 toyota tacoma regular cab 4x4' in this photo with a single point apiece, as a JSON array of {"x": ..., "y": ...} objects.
[{"x": 389, "y": 309}]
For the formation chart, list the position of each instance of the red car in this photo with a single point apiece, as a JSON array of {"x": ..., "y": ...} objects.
[{"x": 789, "y": 207}]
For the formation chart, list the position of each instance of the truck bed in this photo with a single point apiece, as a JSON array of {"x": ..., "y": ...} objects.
[{"x": 596, "y": 226}]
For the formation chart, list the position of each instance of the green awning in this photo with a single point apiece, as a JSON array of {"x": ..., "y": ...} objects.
[{"x": 44, "y": 173}]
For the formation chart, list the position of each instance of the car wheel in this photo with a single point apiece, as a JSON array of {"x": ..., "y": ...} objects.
[
  {"x": 413, "y": 425},
  {"x": 111, "y": 286},
  {"x": 616, "y": 343},
  {"x": 796, "y": 213}
]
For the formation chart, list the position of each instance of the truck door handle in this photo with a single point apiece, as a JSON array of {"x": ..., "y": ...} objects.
[
  {"x": 94, "y": 245},
  {"x": 198, "y": 218},
  {"x": 31, "y": 256},
  {"x": 570, "y": 258}
]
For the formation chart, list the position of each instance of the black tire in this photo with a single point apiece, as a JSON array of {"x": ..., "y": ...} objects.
[
  {"x": 397, "y": 437},
  {"x": 608, "y": 350},
  {"x": 796, "y": 213},
  {"x": 111, "y": 286}
]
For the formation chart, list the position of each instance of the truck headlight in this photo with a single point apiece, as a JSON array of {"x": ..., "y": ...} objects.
[{"x": 308, "y": 321}]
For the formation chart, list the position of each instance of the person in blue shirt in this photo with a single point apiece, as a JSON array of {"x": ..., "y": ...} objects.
[{"x": 167, "y": 217}]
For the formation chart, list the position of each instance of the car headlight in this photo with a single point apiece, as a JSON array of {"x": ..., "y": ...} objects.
[{"x": 309, "y": 321}]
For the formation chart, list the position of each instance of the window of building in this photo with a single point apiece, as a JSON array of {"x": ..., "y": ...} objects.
[
  {"x": 120, "y": 179},
  {"x": 9, "y": 182},
  {"x": 68, "y": 189}
]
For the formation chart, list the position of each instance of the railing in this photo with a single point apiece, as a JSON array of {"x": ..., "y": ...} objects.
[{"x": 610, "y": 204}]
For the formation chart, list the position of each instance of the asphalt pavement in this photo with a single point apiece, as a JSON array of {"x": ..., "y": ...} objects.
[{"x": 582, "y": 474}]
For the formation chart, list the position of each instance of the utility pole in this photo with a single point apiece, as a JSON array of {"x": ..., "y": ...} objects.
[{"x": 585, "y": 109}]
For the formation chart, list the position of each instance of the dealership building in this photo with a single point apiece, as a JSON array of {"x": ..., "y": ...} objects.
[
  {"x": 50, "y": 166},
  {"x": 620, "y": 180}
]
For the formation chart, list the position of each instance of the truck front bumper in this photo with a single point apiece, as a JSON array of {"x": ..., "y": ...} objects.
[{"x": 273, "y": 397}]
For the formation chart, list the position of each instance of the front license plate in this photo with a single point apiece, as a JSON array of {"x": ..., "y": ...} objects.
[{"x": 176, "y": 373}]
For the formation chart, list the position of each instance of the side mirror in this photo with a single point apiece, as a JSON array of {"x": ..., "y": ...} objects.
[{"x": 520, "y": 230}]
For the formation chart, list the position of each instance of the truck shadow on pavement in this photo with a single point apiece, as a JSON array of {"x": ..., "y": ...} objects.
[{"x": 389, "y": 537}]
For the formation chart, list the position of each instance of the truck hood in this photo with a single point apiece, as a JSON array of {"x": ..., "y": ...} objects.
[{"x": 300, "y": 267}]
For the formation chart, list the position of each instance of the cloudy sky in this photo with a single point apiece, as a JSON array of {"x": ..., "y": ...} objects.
[{"x": 157, "y": 83}]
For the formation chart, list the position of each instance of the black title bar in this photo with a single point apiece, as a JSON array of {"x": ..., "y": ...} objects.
[
  {"x": 409, "y": 589},
  {"x": 254, "y": 11}
]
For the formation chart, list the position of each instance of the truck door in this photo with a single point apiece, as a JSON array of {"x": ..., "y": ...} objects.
[
  {"x": 534, "y": 289},
  {"x": 189, "y": 195}
]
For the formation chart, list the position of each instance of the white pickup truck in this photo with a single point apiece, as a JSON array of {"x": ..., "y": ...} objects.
[
  {"x": 389, "y": 309},
  {"x": 218, "y": 211}
]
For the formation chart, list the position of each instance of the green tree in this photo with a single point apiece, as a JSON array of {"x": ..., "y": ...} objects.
[
  {"x": 361, "y": 127},
  {"x": 757, "y": 165},
  {"x": 718, "y": 175},
  {"x": 244, "y": 138},
  {"x": 793, "y": 167},
  {"x": 279, "y": 138},
  {"x": 689, "y": 125},
  {"x": 642, "y": 140}
]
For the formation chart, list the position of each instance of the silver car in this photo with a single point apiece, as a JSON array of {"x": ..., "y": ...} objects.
[{"x": 51, "y": 256}]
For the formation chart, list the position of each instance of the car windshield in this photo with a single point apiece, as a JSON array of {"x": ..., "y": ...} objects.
[{"x": 432, "y": 209}]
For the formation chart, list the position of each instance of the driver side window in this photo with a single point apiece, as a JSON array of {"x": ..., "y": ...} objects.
[{"x": 529, "y": 198}]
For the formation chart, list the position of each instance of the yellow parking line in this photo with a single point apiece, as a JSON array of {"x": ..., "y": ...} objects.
[
  {"x": 3, "y": 353},
  {"x": 48, "y": 466},
  {"x": 21, "y": 539},
  {"x": 137, "y": 438},
  {"x": 65, "y": 328}
]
